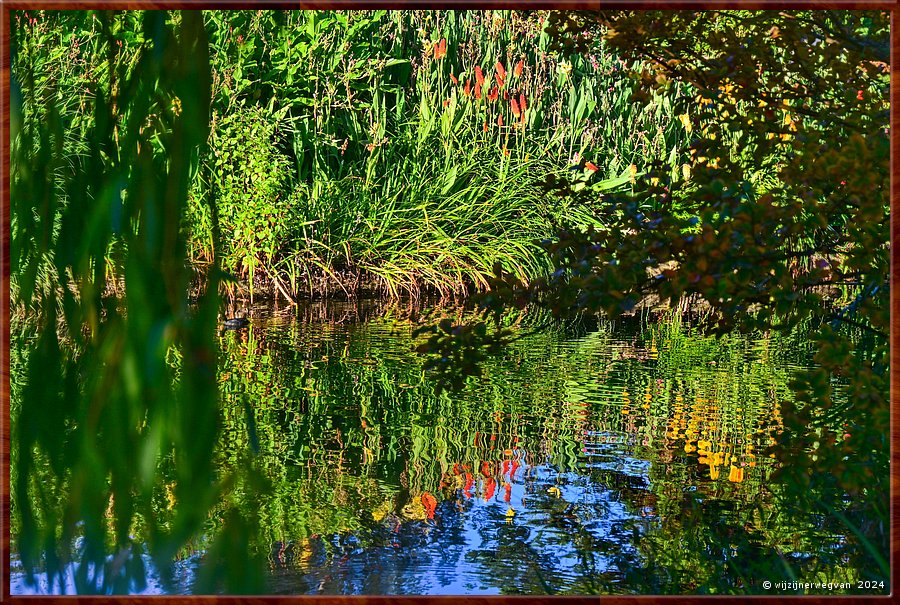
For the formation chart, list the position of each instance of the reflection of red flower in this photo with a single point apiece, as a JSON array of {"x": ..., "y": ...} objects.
[
  {"x": 430, "y": 503},
  {"x": 470, "y": 481},
  {"x": 507, "y": 487},
  {"x": 490, "y": 486},
  {"x": 512, "y": 469}
]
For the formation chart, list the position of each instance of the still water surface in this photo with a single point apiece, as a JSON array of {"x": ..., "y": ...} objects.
[{"x": 625, "y": 458}]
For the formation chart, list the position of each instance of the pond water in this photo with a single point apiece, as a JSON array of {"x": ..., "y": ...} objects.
[{"x": 625, "y": 458}]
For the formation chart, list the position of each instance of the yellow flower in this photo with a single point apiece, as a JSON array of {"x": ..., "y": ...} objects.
[
  {"x": 686, "y": 121},
  {"x": 686, "y": 171},
  {"x": 555, "y": 491}
]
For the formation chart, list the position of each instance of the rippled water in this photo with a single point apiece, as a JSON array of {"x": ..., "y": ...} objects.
[{"x": 591, "y": 461}]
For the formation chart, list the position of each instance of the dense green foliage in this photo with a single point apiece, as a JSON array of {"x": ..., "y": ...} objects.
[{"x": 339, "y": 139}]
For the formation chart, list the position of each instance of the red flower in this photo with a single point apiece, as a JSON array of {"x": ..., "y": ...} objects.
[
  {"x": 446, "y": 102},
  {"x": 440, "y": 49},
  {"x": 499, "y": 80},
  {"x": 591, "y": 166},
  {"x": 479, "y": 77},
  {"x": 859, "y": 95},
  {"x": 485, "y": 127},
  {"x": 468, "y": 89},
  {"x": 477, "y": 91},
  {"x": 515, "y": 108},
  {"x": 518, "y": 69},
  {"x": 500, "y": 123},
  {"x": 500, "y": 71},
  {"x": 522, "y": 102},
  {"x": 453, "y": 79},
  {"x": 493, "y": 94}
]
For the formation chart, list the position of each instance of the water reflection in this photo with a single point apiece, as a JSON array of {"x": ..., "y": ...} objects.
[
  {"x": 625, "y": 459},
  {"x": 549, "y": 475}
]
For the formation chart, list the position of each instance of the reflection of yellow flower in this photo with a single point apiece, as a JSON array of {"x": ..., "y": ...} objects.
[{"x": 555, "y": 491}]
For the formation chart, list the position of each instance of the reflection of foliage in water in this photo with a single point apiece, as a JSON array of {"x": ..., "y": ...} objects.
[{"x": 668, "y": 425}]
